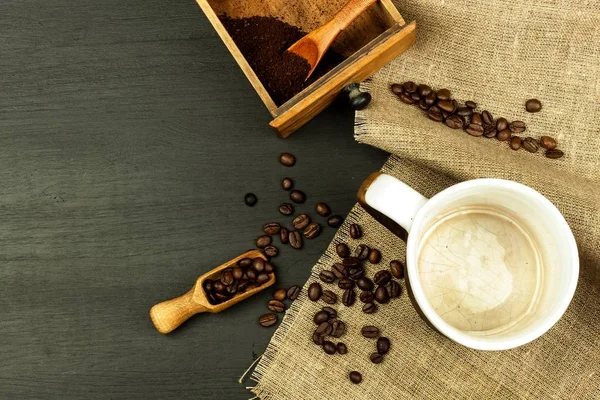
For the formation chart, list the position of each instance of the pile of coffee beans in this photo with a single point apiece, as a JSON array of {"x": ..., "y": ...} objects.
[
  {"x": 441, "y": 107},
  {"x": 383, "y": 343},
  {"x": 277, "y": 305}
]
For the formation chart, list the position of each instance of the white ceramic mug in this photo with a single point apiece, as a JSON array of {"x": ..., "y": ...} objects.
[{"x": 473, "y": 246}]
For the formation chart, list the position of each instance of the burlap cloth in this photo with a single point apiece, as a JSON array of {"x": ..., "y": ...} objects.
[{"x": 498, "y": 53}]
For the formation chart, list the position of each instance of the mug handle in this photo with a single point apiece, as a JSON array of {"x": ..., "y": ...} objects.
[{"x": 392, "y": 198}]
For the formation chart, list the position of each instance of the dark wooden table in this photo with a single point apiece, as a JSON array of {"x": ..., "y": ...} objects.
[{"x": 129, "y": 138}]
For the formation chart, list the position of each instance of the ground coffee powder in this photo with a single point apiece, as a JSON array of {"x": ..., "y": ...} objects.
[{"x": 263, "y": 41}]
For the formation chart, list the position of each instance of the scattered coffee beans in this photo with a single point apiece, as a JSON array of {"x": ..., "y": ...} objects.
[
  {"x": 271, "y": 251},
  {"x": 320, "y": 317},
  {"x": 324, "y": 329},
  {"x": 342, "y": 349},
  {"x": 356, "y": 272},
  {"x": 547, "y": 142},
  {"x": 487, "y": 117},
  {"x": 517, "y": 127},
  {"x": 504, "y": 135},
  {"x": 554, "y": 153},
  {"x": 284, "y": 235},
  {"x": 250, "y": 199},
  {"x": 350, "y": 262},
  {"x": 471, "y": 104},
  {"x": 293, "y": 292},
  {"x": 295, "y": 239},
  {"x": 272, "y": 228},
  {"x": 362, "y": 252},
  {"x": 339, "y": 270},
  {"x": 367, "y": 296},
  {"x": 314, "y": 291},
  {"x": 322, "y": 209},
  {"x": 331, "y": 311},
  {"x": 501, "y": 124},
  {"x": 318, "y": 339},
  {"x": 342, "y": 250},
  {"x": 365, "y": 284},
  {"x": 383, "y": 345},
  {"x": 381, "y": 295},
  {"x": 349, "y": 297},
  {"x": 287, "y": 183},
  {"x": 329, "y": 297},
  {"x": 382, "y": 277},
  {"x": 376, "y": 358},
  {"x": 370, "y": 308},
  {"x": 312, "y": 230},
  {"x": 338, "y": 329},
  {"x": 374, "y": 256},
  {"x": 280, "y": 294},
  {"x": 531, "y": 145},
  {"x": 355, "y": 377},
  {"x": 297, "y": 196},
  {"x": 395, "y": 289},
  {"x": 263, "y": 241},
  {"x": 346, "y": 283},
  {"x": 355, "y": 231},
  {"x": 370, "y": 331},
  {"x": 533, "y": 105},
  {"x": 267, "y": 320},
  {"x": 335, "y": 221},
  {"x": 286, "y": 209},
  {"x": 397, "y": 269},
  {"x": 327, "y": 276},
  {"x": 276, "y": 306},
  {"x": 515, "y": 143},
  {"x": 301, "y": 221},
  {"x": 329, "y": 347},
  {"x": 287, "y": 159}
]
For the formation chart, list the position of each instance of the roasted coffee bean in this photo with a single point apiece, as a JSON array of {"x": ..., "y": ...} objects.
[
  {"x": 267, "y": 320},
  {"x": 376, "y": 358},
  {"x": 355, "y": 231},
  {"x": 382, "y": 277},
  {"x": 355, "y": 377},
  {"x": 287, "y": 183},
  {"x": 271, "y": 228},
  {"x": 287, "y": 159},
  {"x": 295, "y": 239},
  {"x": 369, "y": 308},
  {"x": 250, "y": 199},
  {"x": 262, "y": 278},
  {"x": 318, "y": 339},
  {"x": 280, "y": 294},
  {"x": 445, "y": 114},
  {"x": 504, "y": 135},
  {"x": 221, "y": 297},
  {"x": 435, "y": 114},
  {"x": 464, "y": 111},
  {"x": 218, "y": 286},
  {"x": 329, "y": 347},
  {"x": 320, "y": 317},
  {"x": 238, "y": 273},
  {"x": 430, "y": 99},
  {"x": 245, "y": 262},
  {"x": 554, "y": 153},
  {"x": 443, "y": 94},
  {"x": 327, "y": 276},
  {"x": 312, "y": 230},
  {"x": 424, "y": 90},
  {"x": 366, "y": 296},
  {"x": 476, "y": 119},
  {"x": 474, "y": 130},
  {"x": 331, "y": 311},
  {"x": 374, "y": 256},
  {"x": 370, "y": 331},
  {"x": 341, "y": 348},
  {"x": 227, "y": 277},
  {"x": 415, "y": 97},
  {"x": 293, "y": 292},
  {"x": 284, "y": 235},
  {"x": 406, "y": 99},
  {"x": 471, "y": 104},
  {"x": 301, "y": 221},
  {"x": 269, "y": 268},
  {"x": 383, "y": 345},
  {"x": 490, "y": 131},
  {"x": 547, "y": 142},
  {"x": 324, "y": 329},
  {"x": 271, "y": 251},
  {"x": 447, "y": 105},
  {"x": 322, "y": 209},
  {"x": 286, "y": 209},
  {"x": 346, "y": 283},
  {"x": 244, "y": 284},
  {"x": 515, "y": 143},
  {"x": 455, "y": 122},
  {"x": 342, "y": 250},
  {"x": 263, "y": 241},
  {"x": 314, "y": 291},
  {"x": 397, "y": 88},
  {"x": 233, "y": 288},
  {"x": 348, "y": 297},
  {"x": 382, "y": 295},
  {"x": 351, "y": 262},
  {"x": 365, "y": 284},
  {"x": 207, "y": 285},
  {"x": 423, "y": 105},
  {"x": 531, "y": 145},
  {"x": 329, "y": 297},
  {"x": 276, "y": 306},
  {"x": 338, "y": 328},
  {"x": 339, "y": 270},
  {"x": 297, "y": 196},
  {"x": 356, "y": 273},
  {"x": 533, "y": 105},
  {"x": 487, "y": 117},
  {"x": 211, "y": 298},
  {"x": 517, "y": 126},
  {"x": 251, "y": 274},
  {"x": 362, "y": 252},
  {"x": 395, "y": 289},
  {"x": 410, "y": 87},
  {"x": 258, "y": 264},
  {"x": 501, "y": 124},
  {"x": 335, "y": 221}
]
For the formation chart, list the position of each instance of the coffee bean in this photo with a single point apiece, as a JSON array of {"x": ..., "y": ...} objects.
[
  {"x": 410, "y": 87},
  {"x": 397, "y": 88},
  {"x": 244, "y": 285},
  {"x": 342, "y": 349},
  {"x": 312, "y": 230},
  {"x": 221, "y": 297},
  {"x": 487, "y": 117},
  {"x": 348, "y": 297},
  {"x": 443, "y": 94},
  {"x": 504, "y": 135},
  {"x": 342, "y": 250},
  {"x": 471, "y": 104},
  {"x": 238, "y": 273},
  {"x": 547, "y": 142},
  {"x": 445, "y": 114},
  {"x": 324, "y": 329},
  {"x": 355, "y": 231},
  {"x": 269, "y": 268},
  {"x": 515, "y": 143},
  {"x": 435, "y": 114},
  {"x": 331, "y": 311},
  {"x": 271, "y": 228},
  {"x": 531, "y": 145},
  {"x": 554, "y": 153},
  {"x": 356, "y": 273},
  {"x": 351, "y": 262},
  {"x": 339, "y": 270},
  {"x": 517, "y": 126},
  {"x": 322, "y": 209},
  {"x": 250, "y": 199},
  {"x": 374, "y": 256},
  {"x": 327, "y": 276},
  {"x": 383, "y": 345},
  {"x": 258, "y": 265},
  {"x": 335, "y": 221},
  {"x": 376, "y": 358},
  {"x": 415, "y": 97},
  {"x": 533, "y": 105},
  {"x": 207, "y": 285},
  {"x": 366, "y": 296},
  {"x": 245, "y": 262},
  {"x": 369, "y": 308},
  {"x": 318, "y": 339},
  {"x": 287, "y": 159},
  {"x": 430, "y": 99},
  {"x": 446, "y": 105},
  {"x": 423, "y": 105},
  {"x": 424, "y": 90},
  {"x": 314, "y": 291},
  {"x": 370, "y": 331},
  {"x": 338, "y": 328},
  {"x": 262, "y": 278},
  {"x": 490, "y": 131},
  {"x": 320, "y": 317},
  {"x": 455, "y": 122},
  {"x": 346, "y": 283},
  {"x": 476, "y": 119},
  {"x": 271, "y": 251},
  {"x": 464, "y": 111},
  {"x": 355, "y": 377},
  {"x": 297, "y": 196},
  {"x": 362, "y": 252},
  {"x": 286, "y": 209},
  {"x": 251, "y": 274},
  {"x": 263, "y": 241},
  {"x": 227, "y": 277},
  {"x": 501, "y": 124},
  {"x": 211, "y": 298},
  {"x": 405, "y": 98},
  {"x": 287, "y": 183},
  {"x": 395, "y": 289},
  {"x": 284, "y": 235},
  {"x": 233, "y": 287},
  {"x": 293, "y": 292},
  {"x": 329, "y": 347},
  {"x": 267, "y": 320},
  {"x": 301, "y": 221},
  {"x": 382, "y": 277},
  {"x": 365, "y": 284},
  {"x": 329, "y": 297},
  {"x": 295, "y": 239},
  {"x": 474, "y": 130},
  {"x": 276, "y": 306},
  {"x": 381, "y": 295},
  {"x": 280, "y": 294},
  {"x": 397, "y": 269}
]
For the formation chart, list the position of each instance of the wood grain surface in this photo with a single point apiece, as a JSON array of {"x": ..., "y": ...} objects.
[{"x": 129, "y": 138}]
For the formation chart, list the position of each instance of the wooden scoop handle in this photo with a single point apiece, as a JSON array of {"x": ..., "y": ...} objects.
[
  {"x": 350, "y": 12},
  {"x": 168, "y": 315}
]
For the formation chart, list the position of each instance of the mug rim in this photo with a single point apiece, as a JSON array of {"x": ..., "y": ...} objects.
[{"x": 487, "y": 343}]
